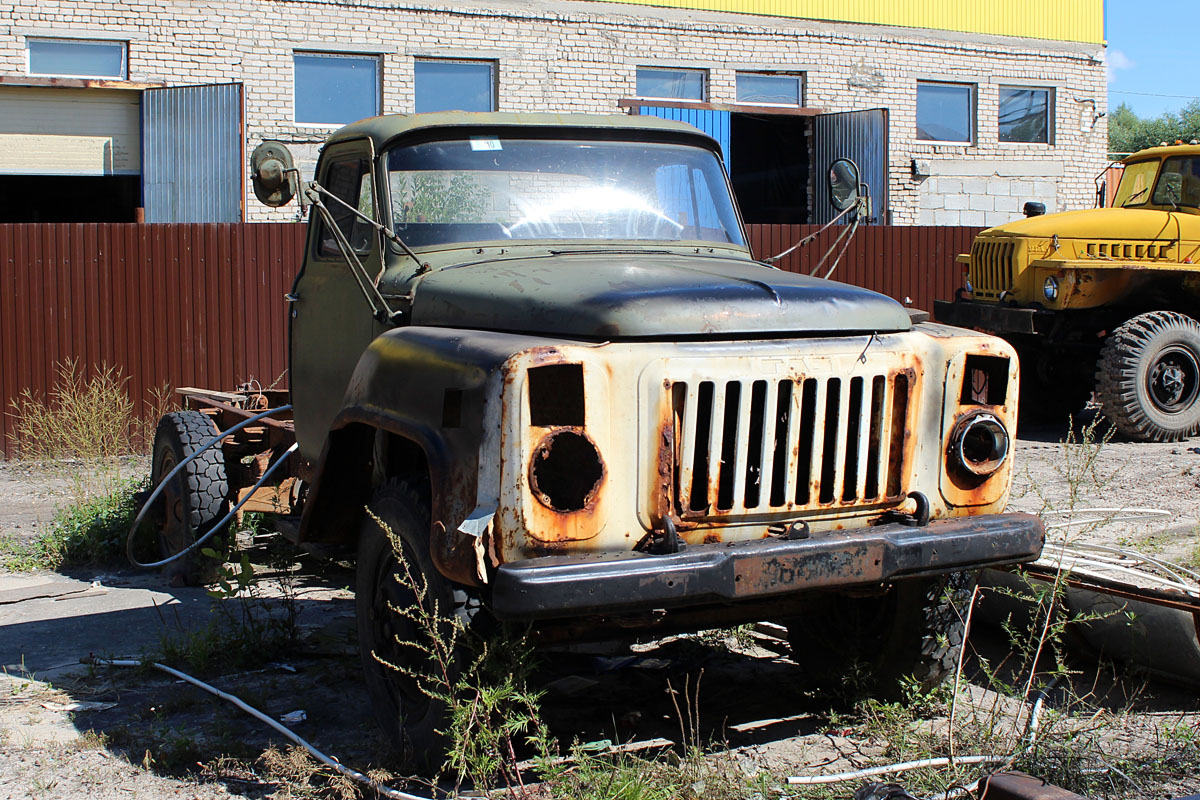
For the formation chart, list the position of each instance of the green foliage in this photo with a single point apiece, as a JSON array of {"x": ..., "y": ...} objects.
[
  {"x": 1128, "y": 133},
  {"x": 90, "y": 532},
  {"x": 248, "y": 629},
  {"x": 432, "y": 197},
  {"x": 482, "y": 682}
]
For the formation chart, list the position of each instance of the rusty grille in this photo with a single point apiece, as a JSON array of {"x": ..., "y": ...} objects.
[
  {"x": 991, "y": 267},
  {"x": 767, "y": 446}
]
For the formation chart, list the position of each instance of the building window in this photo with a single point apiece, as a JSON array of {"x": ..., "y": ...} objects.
[
  {"x": 946, "y": 112},
  {"x": 672, "y": 84},
  {"x": 76, "y": 58},
  {"x": 1024, "y": 115},
  {"x": 334, "y": 88},
  {"x": 770, "y": 88},
  {"x": 446, "y": 85}
]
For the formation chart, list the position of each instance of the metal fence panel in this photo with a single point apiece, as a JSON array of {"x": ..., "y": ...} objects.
[
  {"x": 193, "y": 153},
  {"x": 177, "y": 305}
]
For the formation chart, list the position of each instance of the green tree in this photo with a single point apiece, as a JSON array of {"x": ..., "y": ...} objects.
[{"x": 1127, "y": 132}]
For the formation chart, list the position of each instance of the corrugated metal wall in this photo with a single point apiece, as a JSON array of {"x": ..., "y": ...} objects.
[
  {"x": 202, "y": 305},
  {"x": 1067, "y": 20},
  {"x": 714, "y": 123},
  {"x": 905, "y": 263},
  {"x": 861, "y": 136},
  {"x": 187, "y": 305},
  {"x": 193, "y": 154}
]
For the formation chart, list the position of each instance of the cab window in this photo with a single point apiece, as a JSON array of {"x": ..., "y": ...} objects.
[
  {"x": 1134, "y": 189},
  {"x": 1179, "y": 182},
  {"x": 350, "y": 182}
]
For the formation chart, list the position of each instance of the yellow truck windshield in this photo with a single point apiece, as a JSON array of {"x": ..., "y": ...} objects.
[{"x": 1134, "y": 189}]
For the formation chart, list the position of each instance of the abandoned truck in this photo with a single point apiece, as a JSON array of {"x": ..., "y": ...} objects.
[
  {"x": 538, "y": 349},
  {"x": 1106, "y": 299}
]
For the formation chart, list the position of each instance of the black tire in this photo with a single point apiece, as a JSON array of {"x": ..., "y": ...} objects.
[
  {"x": 194, "y": 500},
  {"x": 1148, "y": 377},
  {"x": 910, "y": 637},
  {"x": 411, "y": 718}
]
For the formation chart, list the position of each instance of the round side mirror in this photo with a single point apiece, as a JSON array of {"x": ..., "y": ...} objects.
[
  {"x": 273, "y": 174},
  {"x": 843, "y": 184}
]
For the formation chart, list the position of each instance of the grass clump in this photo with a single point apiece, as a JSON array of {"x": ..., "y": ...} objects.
[{"x": 90, "y": 532}]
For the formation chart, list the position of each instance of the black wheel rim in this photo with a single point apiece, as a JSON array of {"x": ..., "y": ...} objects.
[
  {"x": 174, "y": 533},
  {"x": 1173, "y": 379},
  {"x": 390, "y": 632}
]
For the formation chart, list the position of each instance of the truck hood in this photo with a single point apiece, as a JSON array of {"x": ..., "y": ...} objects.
[
  {"x": 641, "y": 295},
  {"x": 1102, "y": 223}
]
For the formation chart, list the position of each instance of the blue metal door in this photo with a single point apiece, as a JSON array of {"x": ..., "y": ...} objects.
[
  {"x": 193, "y": 154},
  {"x": 714, "y": 123}
]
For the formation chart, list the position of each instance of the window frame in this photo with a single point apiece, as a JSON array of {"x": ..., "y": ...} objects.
[
  {"x": 492, "y": 64},
  {"x": 800, "y": 76},
  {"x": 121, "y": 43},
  {"x": 701, "y": 71},
  {"x": 972, "y": 112},
  {"x": 376, "y": 58},
  {"x": 1050, "y": 111}
]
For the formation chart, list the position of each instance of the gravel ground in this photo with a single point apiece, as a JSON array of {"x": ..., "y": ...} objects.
[{"x": 151, "y": 738}]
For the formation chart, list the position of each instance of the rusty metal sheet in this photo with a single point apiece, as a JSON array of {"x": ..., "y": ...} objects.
[{"x": 165, "y": 304}]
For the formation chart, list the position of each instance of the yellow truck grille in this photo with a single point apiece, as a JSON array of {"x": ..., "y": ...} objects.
[
  {"x": 763, "y": 447},
  {"x": 991, "y": 268}
]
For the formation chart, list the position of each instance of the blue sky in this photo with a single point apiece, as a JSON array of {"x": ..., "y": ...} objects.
[{"x": 1153, "y": 47}]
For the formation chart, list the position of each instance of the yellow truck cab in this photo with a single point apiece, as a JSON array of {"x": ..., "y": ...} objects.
[{"x": 1104, "y": 299}]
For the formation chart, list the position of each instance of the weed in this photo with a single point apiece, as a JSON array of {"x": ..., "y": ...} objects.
[
  {"x": 80, "y": 431},
  {"x": 90, "y": 532},
  {"x": 483, "y": 684}
]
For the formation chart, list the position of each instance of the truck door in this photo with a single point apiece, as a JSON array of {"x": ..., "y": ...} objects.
[
  {"x": 858, "y": 135},
  {"x": 193, "y": 154},
  {"x": 330, "y": 321}
]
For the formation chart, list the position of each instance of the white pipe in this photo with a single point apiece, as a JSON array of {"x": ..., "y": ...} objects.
[{"x": 328, "y": 761}]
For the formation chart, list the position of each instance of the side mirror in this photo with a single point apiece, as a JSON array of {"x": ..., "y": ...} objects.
[
  {"x": 273, "y": 174},
  {"x": 845, "y": 184}
]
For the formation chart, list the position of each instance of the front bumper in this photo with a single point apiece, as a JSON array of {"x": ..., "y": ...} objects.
[
  {"x": 992, "y": 317},
  {"x": 605, "y": 583}
]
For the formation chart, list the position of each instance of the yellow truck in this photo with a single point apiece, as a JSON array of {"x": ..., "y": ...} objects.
[{"x": 1104, "y": 299}]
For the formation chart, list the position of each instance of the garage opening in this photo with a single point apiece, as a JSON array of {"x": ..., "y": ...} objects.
[
  {"x": 769, "y": 167},
  {"x": 69, "y": 198}
]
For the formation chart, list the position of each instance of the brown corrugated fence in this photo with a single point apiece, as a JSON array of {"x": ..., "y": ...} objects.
[
  {"x": 185, "y": 305},
  {"x": 202, "y": 305}
]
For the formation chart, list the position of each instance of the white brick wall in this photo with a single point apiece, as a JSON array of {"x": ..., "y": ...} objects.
[{"x": 557, "y": 55}]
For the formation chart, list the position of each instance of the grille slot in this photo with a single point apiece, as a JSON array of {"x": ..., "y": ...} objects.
[
  {"x": 759, "y": 446},
  {"x": 991, "y": 267}
]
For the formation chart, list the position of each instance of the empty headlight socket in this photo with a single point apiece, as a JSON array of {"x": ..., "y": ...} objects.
[{"x": 566, "y": 470}]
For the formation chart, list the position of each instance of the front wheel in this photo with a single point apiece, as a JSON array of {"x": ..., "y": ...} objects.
[
  {"x": 909, "y": 637},
  {"x": 394, "y": 639},
  {"x": 1148, "y": 377}
]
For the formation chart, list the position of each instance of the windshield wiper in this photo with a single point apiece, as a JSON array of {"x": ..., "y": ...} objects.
[{"x": 1134, "y": 196}]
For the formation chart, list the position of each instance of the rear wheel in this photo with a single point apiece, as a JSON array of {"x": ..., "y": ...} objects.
[
  {"x": 194, "y": 499},
  {"x": 1148, "y": 378},
  {"x": 910, "y": 637}
]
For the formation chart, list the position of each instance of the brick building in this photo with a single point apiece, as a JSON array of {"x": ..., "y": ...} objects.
[{"x": 958, "y": 113}]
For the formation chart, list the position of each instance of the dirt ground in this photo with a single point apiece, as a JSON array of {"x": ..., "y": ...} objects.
[{"x": 133, "y": 732}]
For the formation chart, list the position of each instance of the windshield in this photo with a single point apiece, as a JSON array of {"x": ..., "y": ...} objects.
[
  {"x": 1179, "y": 182},
  {"x": 1136, "y": 180},
  {"x": 486, "y": 188}
]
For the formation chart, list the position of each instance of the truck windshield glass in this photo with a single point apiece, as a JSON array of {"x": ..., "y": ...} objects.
[
  {"x": 1136, "y": 180},
  {"x": 486, "y": 189},
  {"x": 1178, "y": 182}
]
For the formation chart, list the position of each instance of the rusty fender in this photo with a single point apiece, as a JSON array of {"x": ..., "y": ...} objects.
[{"x": 566, "y": 586}]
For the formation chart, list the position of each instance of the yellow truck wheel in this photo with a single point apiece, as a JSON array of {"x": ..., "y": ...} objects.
[{"x": 1148, "y": 378}]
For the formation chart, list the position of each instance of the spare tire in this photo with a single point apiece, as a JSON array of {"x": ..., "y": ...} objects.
[{"x": 194, "y": 500}]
